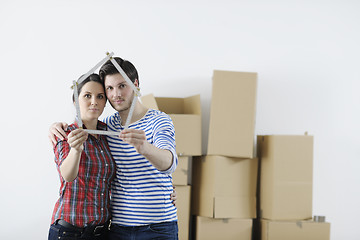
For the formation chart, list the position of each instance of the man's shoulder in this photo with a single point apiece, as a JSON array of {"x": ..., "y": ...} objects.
[
  {"x": 111, "y": 119},
  {"x": 157, "y": 115}
]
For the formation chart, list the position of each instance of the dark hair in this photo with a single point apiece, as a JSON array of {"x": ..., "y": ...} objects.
[
  {"x": 109, "y": 69},
  {"x": 92, "y": 78}
]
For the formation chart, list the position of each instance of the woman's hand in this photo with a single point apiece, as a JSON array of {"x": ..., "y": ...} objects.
[{"x": 77, "y": 138}]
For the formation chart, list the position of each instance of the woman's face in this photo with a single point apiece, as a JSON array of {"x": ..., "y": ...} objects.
[{"x": 92, "y": 101}]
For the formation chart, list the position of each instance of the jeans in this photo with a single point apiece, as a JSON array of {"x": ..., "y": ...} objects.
[
  {"x": 58, "y": 232},
  {"x": 164, "y": 231}
]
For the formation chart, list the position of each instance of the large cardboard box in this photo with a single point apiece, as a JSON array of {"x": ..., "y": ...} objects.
[
  {"x": 224, "y": 229},
  {"x": 186, "y": 116},
  {"x": 294, "y": 230},
  {"x": 183, "y": 210},
  {"x": 232, "y": 114},
  {"x": 182, "y": 173},
  {"x": 286, "y": 176},
  {"x": 224, "y": 187}
]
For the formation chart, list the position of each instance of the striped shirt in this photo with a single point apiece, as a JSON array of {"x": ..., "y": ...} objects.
[
  {"x": 141, "y": 193},
  {"x": 86, "y": 200}
]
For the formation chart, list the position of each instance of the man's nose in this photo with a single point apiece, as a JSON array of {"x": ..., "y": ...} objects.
[{"x": 117, "y": 93}]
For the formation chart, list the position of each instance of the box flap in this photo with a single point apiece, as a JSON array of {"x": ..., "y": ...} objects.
[
  {"x": 192, "y": 105},
  {"x": 149, "y": 101}
]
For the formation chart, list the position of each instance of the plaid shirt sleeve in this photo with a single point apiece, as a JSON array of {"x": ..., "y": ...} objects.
[{"x": 61, "y": 151}]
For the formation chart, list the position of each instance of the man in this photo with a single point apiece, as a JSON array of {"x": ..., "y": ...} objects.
[{"x": 145, "y": 156}]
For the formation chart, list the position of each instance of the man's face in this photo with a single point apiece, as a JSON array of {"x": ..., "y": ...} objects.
[{"x": 119, "y": 92}]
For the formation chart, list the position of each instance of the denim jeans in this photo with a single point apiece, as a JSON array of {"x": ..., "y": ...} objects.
[
  {"x": 58, "y": 232},
  {"x": 164, "y": 230}
]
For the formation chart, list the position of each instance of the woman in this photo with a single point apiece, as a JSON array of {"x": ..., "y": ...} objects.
[{"x": 86, "y": 169}]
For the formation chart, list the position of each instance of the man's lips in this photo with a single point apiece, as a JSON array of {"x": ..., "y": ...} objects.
[{"x": 118, "y": 101}]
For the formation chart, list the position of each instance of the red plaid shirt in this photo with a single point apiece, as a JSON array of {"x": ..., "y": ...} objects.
[{"x": 86, "y": 200}]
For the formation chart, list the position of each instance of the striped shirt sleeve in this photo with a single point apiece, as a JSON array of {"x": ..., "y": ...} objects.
[{"x": 164, "y": 138}]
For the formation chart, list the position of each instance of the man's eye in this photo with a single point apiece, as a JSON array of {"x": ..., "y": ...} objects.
[
  {"x": 122, "y": 85},
  {"x": 108, "y": 88}
]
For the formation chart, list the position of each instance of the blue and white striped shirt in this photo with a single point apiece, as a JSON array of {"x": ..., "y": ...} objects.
[{"x": 140, "y": 193}]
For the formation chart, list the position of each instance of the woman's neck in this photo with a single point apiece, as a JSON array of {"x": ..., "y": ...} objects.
[{"x": 90, "y": 124}]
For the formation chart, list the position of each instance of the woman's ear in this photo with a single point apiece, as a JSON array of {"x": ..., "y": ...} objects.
[{"x": 136, "y": 83}]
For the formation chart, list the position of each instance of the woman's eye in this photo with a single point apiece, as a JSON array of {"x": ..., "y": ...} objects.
[
  {"x": 87, "y": 96},
  {"x": 122, "y": 85},
  {"x": 100, "y": 96}
]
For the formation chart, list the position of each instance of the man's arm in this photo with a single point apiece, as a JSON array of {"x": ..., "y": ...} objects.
[
  {"x": 161, "y": 159},
  {"x": 57, "y": 130}
]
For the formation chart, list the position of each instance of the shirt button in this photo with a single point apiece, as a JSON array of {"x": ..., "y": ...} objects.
[
  {"x": 101, "y": 151},
  {"x": 102, "y": 209},
  {"x": 106, "y": 164}
]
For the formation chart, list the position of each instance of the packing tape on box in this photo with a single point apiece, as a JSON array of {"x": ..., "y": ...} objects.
[
  {"x": 319, "y": 218},
  {"x": 121, "y": 71}
]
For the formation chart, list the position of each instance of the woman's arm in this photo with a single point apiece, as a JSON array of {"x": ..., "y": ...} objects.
[{"x": 70, "y": 166}]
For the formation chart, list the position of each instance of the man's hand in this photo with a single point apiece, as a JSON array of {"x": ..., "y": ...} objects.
[
  {"x": 161, "y": 158},
  {"x": 136, "y": 138},
  {"x": 57, "y": 129}
]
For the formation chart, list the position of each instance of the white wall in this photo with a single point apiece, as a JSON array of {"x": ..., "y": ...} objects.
[{"x": 306, "y": 55}]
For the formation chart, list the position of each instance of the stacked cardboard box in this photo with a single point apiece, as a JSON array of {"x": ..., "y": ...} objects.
[
  {"x": 186, "y": 116},
  {"x": 286, "y": 189},
  {"x": 224, "y": 180},
  {"x": 228, "y": 188}
]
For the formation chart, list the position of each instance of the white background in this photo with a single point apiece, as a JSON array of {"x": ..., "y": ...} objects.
[{"x": 306, "y": 54}]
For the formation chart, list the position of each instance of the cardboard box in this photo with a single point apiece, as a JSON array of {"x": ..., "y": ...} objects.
[
  {"x": 182, "y": 174},
  {"x": 232, "y": 114},
  {"x": 224, "y": 187},
  {"x": 224, "y": 229},
  {"x": 186, "y": 116},
  {"x": 286, "y": 176},
  {"x": 294, "y": 230},
  {"x": 183, "y": 210}
]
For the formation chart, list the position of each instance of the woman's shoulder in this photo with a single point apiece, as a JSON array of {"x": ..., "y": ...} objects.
[{"x": 71, "y": 127}]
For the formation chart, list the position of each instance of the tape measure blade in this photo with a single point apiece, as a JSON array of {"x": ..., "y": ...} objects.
[
  {"x": 77, "y": 105},
  {"x": 102, "y": 132},
  {"x": 131, "y": 111},
  {"x": 95, "y": 67}
]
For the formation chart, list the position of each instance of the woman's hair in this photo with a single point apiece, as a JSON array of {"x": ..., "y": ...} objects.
[
  {"x": 92, "y": 78},
  {"x": 109, "y": 69}
]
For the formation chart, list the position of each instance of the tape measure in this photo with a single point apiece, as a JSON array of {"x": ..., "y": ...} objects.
[{"x": 92, "y": 70}]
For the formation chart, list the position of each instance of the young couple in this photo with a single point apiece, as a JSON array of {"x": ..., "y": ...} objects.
[{"x": 134, "y": 166}]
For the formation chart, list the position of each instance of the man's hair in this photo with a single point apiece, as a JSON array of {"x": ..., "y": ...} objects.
[
  {"x": 109, "y": 69},
  {"x": 92, "y": 78}
]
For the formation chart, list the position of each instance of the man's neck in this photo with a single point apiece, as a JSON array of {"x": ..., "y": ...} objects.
[{"x": 139, "y": 111}]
